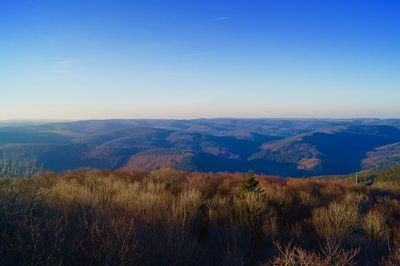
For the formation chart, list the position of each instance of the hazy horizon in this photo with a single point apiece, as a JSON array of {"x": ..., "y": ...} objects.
[
  {"x": 47, "y": 121},
  {"x": 80, "y": 60}
]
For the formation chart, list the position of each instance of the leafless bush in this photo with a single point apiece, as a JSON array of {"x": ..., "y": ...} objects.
[
  {"x": 374, "y": 224},
  {"x": 104, "y": 217},
  {"x": 339, "y": 219},
  {"x": 11, "y": 167},
  {"x": 331, "y": 254}
]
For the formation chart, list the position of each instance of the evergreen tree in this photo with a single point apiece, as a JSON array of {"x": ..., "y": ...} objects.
[{"x": 250, "y": 184}]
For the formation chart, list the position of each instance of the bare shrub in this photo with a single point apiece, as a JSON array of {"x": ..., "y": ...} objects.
[
  {"x": 339, "y": 219},
  {"x": 11, "y": 167},
  {"x": 393, "y": 259},
  {"x": 334, "y": 255},
  {"x": 110, "y": 239},
  {"x": 374, "y": 224},
  {"x": 219, "y": 208},
  {"x": 308, "y": 198},
  {"x": 187, "y": 207},
  {"x": 248, "y": 210},
  {"x": 101, "y": 217},
  {"x": 331, "y": 254}
]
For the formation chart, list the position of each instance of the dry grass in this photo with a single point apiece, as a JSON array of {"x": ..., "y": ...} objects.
[{"x": 167, "y": 217}]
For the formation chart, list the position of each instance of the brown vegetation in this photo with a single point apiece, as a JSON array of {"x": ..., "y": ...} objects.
[{"x": 167, "y": 217}]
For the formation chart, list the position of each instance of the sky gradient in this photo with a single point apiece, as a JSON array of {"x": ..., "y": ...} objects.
[{"x": 188, "y": 59}]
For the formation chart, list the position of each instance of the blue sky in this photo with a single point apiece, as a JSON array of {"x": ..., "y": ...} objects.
[{"x": 206, "y": 58}]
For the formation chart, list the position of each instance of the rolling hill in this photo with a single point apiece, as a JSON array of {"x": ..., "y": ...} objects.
[
  {"x": 299, "y": 147},
  {"x": 382, "y": 157}
]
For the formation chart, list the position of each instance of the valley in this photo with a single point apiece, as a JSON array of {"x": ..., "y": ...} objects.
[{"x": 297, "y": 148}]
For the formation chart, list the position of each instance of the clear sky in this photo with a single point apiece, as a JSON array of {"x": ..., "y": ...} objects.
[{"x": 81, "y": 59}]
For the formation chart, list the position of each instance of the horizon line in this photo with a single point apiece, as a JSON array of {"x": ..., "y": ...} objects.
[{"x": 196, "y": 118}]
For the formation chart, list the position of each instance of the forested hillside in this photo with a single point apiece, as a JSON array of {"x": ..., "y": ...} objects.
[{"x": 270, "y": 146}]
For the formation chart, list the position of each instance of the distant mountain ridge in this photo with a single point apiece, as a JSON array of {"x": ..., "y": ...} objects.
[
  {"x": 284, "y": 147},
  {"x": 383, "y": 157}
]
